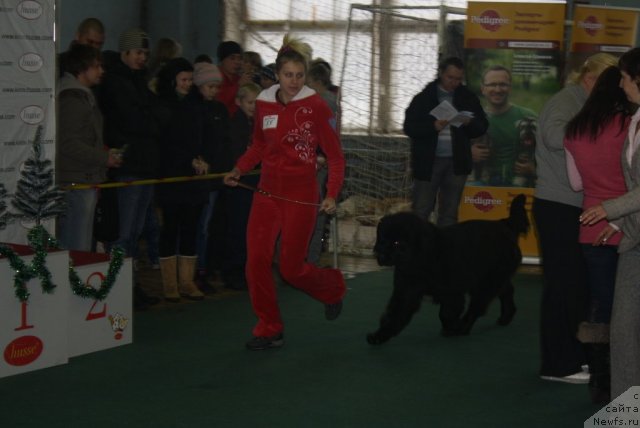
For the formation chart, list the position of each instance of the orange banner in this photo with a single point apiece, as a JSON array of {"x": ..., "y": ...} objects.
[
  {"x": 600, "y": 29},
  {"x": 514, "y": 25}
]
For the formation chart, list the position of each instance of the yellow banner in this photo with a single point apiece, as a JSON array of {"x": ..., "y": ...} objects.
[
  {"x": 492, "y": 203},
  {"x": 514, "y": 25},
  {"x": 599, "y": 29}
]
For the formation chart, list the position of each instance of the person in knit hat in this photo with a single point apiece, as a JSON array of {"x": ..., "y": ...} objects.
[
  {"x": 183, "y": 152},
  {"x": 175, "y": 79},
  {"x": 230, "y": 65},
  {"x": 227, "y": 49},
  {"x": 133, "y": 38},
  {"x": 133, "y": 124},
  {"x": 207, "y": 80},
  {"x": 207, "y": 74}
]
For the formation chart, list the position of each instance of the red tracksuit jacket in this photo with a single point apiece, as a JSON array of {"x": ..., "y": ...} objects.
[{"x": 286, "y": 139}]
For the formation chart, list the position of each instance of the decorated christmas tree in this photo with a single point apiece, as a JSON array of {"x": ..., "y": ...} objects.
[{"x": 36, "y": 197}]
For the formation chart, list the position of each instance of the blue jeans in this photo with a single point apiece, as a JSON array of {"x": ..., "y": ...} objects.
[
  {"x": 151, "y": 234},
  {"x": 202, "y": 236},
  {"x": 444, "y": 186},
  {"x": 133, "y": 203},
  {"x": 75, "y": 226},
  {"x": 602, "y": 262}
]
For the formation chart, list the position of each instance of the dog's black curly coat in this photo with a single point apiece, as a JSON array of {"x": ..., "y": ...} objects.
[{"x": 476, "y": 257}]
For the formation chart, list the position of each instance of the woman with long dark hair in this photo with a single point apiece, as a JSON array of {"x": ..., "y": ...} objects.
[
  {"x": 625, "y": 212},
  {"x": 593, "y": 145}
]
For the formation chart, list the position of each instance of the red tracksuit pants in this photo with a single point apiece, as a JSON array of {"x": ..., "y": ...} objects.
[{"x": 294, "y": 223}]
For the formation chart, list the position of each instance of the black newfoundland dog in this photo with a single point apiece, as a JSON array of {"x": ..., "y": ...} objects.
[{"x": 476, "y": 257}]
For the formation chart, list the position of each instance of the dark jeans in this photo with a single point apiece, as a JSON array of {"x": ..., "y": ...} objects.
[
  {"x": 133, "y": 202},
  {"x": 602, "y": 262},
  {"x": 444, "y": 186},
  {"x": 202, "y": 231},
  {"x": 565, "y": 296},
  {"x": 150, "y": 234}
]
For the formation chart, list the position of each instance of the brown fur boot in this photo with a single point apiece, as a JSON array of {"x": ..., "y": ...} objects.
[
  {"x": 169, "y": 271},
  {"x": 186, "y": 271}
]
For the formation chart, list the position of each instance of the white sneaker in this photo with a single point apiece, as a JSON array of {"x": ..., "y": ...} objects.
[{"x": 576, "y": 378}]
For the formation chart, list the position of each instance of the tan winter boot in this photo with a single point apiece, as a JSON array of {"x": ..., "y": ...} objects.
[
  {"x": 169, "y": 271},
  {"x": 186, "y": 271}
]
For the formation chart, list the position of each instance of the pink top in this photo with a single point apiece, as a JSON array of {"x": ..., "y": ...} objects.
[{"x": 594, "y": 166}]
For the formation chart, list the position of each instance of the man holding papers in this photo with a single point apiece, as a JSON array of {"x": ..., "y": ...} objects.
[{"x": 440, "y": 121}]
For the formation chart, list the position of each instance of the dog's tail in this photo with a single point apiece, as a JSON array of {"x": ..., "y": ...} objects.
[{"x": 518, "y": 220}]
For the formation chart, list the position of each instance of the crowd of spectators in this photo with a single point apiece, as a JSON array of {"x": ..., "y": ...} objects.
[{"x": 147, "y": 112}]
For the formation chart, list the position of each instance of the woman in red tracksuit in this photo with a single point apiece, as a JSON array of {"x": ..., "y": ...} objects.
[{"x": 291, "y": 122}]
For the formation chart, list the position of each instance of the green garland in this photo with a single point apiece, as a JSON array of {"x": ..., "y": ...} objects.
[
  {"x": 88, "y": 292},
  {"x": 40, "y": 241}
]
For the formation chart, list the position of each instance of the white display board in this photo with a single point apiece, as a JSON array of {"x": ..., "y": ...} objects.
[
  {"x": 34, "y": 335},
  {"x": 97, "y": 325}
]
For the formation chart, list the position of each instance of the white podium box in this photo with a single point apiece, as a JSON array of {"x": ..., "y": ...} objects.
[
  {"x": 34, "y": 334},
  {"x": 97, "y": 325}
]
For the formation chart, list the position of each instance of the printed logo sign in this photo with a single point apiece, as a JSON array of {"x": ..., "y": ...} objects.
[
  {"x": 490, "y": 20},
  {"x": 32, "y": 115},
  {"x": 499, "y": 25},
  {"x": 31, "y": 62},
  {"x": 590, "y": 25},
  {"x": 23, "y": 350},
  {"x": 483, "y": 201},
  {"x": 599, "y": 29},
  {"x": 29, "y": 9}
]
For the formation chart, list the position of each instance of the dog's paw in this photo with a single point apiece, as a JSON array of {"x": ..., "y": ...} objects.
[{"x": 375, "y": 339}]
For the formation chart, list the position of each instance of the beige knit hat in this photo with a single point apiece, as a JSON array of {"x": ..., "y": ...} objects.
[{"x": 134, "y": 38}]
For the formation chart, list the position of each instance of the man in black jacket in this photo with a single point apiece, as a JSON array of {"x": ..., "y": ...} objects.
[
  {"x": 440, "y": 151},
  {"x": 133, "y": 124}
]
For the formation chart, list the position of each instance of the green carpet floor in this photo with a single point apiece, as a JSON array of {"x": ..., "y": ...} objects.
[{"x": 188, "y": 367}]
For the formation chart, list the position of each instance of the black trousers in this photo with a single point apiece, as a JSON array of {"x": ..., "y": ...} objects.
[
  {"x": 179, "y": 229},
  {"x": 565, "y": 294}
]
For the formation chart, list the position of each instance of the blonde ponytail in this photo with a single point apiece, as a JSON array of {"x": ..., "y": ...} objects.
[
  {"x": 293, "y": 49},
  {"x": 595, "y": 64}
]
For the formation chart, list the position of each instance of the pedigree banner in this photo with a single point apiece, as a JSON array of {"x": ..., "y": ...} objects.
[
  {"x": 27, "y": 77},
  {"x": 493, "y": 203},
  {"x": 603, "y": 29},
  {"x": 513, "y": 57},
  {"x": 514, "y": 25}
]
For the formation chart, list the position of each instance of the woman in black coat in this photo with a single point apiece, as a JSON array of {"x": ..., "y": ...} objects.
[{"x": 186, "y": 149}]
